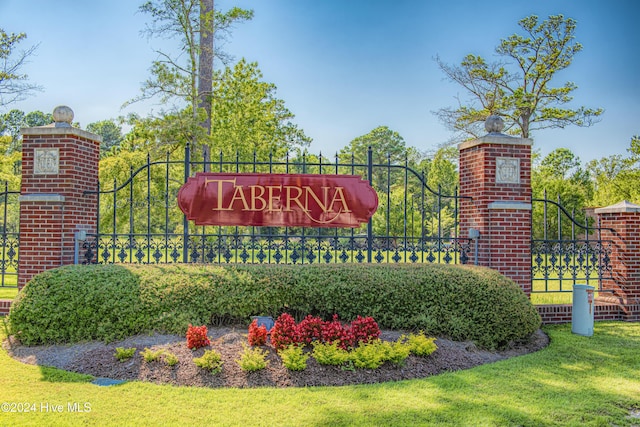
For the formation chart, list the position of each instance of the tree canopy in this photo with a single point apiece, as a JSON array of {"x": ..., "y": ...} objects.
[
  {"x": 110, "y": 132},
  {"x": 14, "y": 120},
  {"x": 248, "y": 117},
  {"x": 616, "y": 177},
  {"x": 519, "y": 86},
  {"x": 14, "y": 85}
]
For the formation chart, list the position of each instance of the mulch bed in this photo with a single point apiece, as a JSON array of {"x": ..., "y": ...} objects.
[{"x": 98, "y": 359}]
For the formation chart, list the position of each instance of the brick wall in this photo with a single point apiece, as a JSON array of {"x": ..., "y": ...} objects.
[
  {"x": 53, "y": 206},
  {"x": 624, "y": 219},
  {"x": 557, "y": 314},
  {"x": 5, "y": 304}
]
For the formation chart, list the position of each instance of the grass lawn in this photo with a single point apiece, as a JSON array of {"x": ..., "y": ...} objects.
[
  {"x": 8, "y": 293},
  {"x": 575, "y": 381}
]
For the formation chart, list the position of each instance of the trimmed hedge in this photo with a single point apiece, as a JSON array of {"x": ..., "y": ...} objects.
[{"x": 111, "y": 302}]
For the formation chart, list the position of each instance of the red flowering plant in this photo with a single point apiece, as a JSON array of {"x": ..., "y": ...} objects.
[
  {"x": 364, "y": 330},
  {"x": 310, "y": 329},
  {"x": 361, "y": 330},
  {"x": 257, "y": 334},
  {"x": 333, "y": 330},
  {"x": 197, "y": 337},
  {"x": 284, "y": 332}
]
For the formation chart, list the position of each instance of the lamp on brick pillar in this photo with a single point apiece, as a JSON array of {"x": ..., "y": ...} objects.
[
  {"x": 59, "y": 163},
  {"x": 495, "y": 172},
  {"x": 620, "y": 224}
]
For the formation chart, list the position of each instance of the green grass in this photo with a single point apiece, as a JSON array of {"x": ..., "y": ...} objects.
[
  {"x": 8, "y": 293},
  {"x": 575, "y": 381},
  {"x": 551, "y": 298}
]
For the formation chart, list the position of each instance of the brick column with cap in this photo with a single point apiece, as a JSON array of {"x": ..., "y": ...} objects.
[
  {"x": 59, "y": 163},
  {"x": 621, "y": 226},
  {"x": 495, "y": 172}
]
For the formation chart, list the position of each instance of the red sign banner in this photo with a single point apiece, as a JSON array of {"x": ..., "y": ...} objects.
[{"x": 276, "y": 200}]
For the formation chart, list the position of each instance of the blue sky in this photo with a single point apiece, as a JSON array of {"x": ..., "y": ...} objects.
[{"x": 343, "y": 67}]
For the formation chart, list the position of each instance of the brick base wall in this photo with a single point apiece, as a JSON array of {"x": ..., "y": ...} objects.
[
  {"x": 558, "y": 314},
  {"x": 5, "y": 304}
]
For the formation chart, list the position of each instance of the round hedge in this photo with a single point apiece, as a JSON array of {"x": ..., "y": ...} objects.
[{"x": 110, "y": 302}]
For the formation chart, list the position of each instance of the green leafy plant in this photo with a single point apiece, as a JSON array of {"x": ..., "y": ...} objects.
[
  {"x": 170, "y": 358},
  {"x": 123, "y": 354},
  {"x": 370, "y": 355},
  {"x": 211, "y": 360},
  {"x": 329, "y": 353},
  {"x": 294, "y": 358},
  {"x": 420, "y": 345},
  {"x": 253, "y": 359},
  {"x": 348, "y": 366},
  {"x": 150, "y": 355},
  {"x": 396, "y": 352}
]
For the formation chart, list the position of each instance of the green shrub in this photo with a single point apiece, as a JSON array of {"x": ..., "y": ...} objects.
[
  {"x": 294, "y": 358},
  {"x": 421, "y": 345},
  {"x": 396, "y": 352},
  {"x": 123, "y": 354},
  {"x": 79, "y": 303},
  {"x": 211, "y": 360},
  {"x": 370, "y": 355},
  {"x": 151, "y": 355},
  {"x": 170, "y": 359},
  {"x": 329, "y": 353},
  {"x": 110, "y": 302},
  {"x": 253, "y": 359}
]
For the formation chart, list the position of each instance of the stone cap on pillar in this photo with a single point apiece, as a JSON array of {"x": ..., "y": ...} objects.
[
  {"x": 622, "y": 207},
  {"x": 62, "y": 116},
  {"x": 494, "y": 125}
]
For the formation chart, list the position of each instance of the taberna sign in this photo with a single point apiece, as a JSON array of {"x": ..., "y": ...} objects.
[{"x": 276, "y": 200}]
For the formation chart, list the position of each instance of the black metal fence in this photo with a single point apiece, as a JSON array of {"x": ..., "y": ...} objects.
[
  {"x": 140, "y": 221},
  {"x": 565, "y": 252},
  {"x": 9, "y": 237}
]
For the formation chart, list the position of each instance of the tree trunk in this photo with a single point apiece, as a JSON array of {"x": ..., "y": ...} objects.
[{"x": 205, "y": 71}]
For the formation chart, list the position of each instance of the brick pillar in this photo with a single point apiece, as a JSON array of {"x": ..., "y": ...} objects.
[
  {"x": 495, "y": 171},
  {"x": 59, "y": 163},
  {"x": 624, "y": 219}
]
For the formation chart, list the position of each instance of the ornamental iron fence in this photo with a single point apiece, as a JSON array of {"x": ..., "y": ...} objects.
[
  {"x": 9, "y": 237},
  {"x": 139, "y": 220},
  {"x": 565, "y": 252}
]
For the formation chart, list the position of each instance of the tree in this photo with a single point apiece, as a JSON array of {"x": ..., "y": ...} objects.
[
  {"x": 14, "y": 120},
  {"x": 14, "y": 85},
  {"x": 111, "y": 135},
  {"x": 8, "y": 165},
  {"x": 175, "y": 77},
  {"x": 205, "y": 69},
  {"x": 387, "y": 147},
  {"x": 560, "y": 176},
  {"x": 616, "y": 177},
  {"x": 249, "y": 118},
  {"x": 519, "y": 87}
]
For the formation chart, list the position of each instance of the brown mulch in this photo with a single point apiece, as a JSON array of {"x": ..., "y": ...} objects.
[{"x": 98, "y": 359}]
